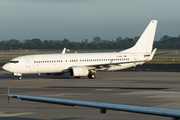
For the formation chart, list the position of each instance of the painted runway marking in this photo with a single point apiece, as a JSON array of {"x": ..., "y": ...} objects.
[
  {"x": 104, "y": 89},
  {"x": 171, "y": 75},
  {"x": 166, "y": 95},
  {"x": 9, "y": 114},
  {"x": 23, "y": 80}
]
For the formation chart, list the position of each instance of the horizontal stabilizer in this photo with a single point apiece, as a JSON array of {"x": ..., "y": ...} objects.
[{"x": 152, "y": 54}]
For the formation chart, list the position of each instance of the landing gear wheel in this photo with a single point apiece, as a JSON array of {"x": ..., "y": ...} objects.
[
  {"x": 20, "y": 78},
  {"x": 91, "y": 76}
]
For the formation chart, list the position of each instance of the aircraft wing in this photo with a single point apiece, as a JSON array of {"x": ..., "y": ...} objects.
[{"x": 103, "y": 106}]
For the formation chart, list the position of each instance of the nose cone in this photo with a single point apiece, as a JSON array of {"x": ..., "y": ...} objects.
[{"x": 6, "y": 67}]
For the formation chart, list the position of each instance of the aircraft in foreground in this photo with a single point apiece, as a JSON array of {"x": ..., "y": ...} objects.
[
  {"x": 175, "y": 114},
  {"x": 86, "y": 64}
]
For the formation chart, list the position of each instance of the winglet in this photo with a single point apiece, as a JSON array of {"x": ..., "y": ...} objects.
[
  {"x": 8, "y": 90},
  {"x": 64, "y": 51},
  {"x": 152, "y": 54},
  {"x": 8, "y": 95}
]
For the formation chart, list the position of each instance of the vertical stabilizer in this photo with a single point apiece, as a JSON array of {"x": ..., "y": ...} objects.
[
  {"x": 64, "y": 51},
  {"x": 145, "y": 42}
]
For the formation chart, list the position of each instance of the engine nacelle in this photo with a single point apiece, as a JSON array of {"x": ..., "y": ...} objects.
[{"x": 78, "y": 71}]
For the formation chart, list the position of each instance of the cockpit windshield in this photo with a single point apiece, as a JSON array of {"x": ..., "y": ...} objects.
[{"x": 14, "y": 61}]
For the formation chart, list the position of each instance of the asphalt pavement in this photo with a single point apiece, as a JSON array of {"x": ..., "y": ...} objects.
[{"x": 139, "y": 88}]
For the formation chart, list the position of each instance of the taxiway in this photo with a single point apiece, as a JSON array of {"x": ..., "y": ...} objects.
[{"x": 150, "y": 89}]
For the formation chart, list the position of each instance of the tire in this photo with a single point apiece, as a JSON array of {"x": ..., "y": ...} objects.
[
  {"x": 91, "y": 76},
  {"x": 20, "y": 78}
]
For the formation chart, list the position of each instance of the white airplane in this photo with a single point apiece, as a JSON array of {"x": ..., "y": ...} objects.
[
  {"x": 86, "y": 64},
  {"x": 175, "y": 114}
]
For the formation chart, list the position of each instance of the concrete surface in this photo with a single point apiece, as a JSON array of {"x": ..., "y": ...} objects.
[{"x": 150, "y": 89}]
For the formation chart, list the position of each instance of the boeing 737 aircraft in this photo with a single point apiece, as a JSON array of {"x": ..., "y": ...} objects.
[{"x": 86, "y": 64}]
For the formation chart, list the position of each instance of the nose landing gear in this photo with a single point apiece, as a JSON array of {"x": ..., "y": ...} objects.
[
  {"x": 19, "y": 75},
  {"x": 20, "y": 78}
]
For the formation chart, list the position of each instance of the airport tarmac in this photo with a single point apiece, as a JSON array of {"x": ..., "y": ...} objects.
[{"x": 149, "y": 89}]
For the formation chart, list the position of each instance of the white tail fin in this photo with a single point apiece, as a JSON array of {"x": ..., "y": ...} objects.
[
  {"x": 145, "y": 42},
  {"x": 64, "y": 51}
]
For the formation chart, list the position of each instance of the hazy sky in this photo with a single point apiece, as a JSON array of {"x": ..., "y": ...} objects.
[{"x": 78, "y": 20}]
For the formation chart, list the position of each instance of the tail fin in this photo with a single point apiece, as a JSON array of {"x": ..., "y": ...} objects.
[
  {"x": 145, "y": 42},
  {"x": 64, "y": 51}
]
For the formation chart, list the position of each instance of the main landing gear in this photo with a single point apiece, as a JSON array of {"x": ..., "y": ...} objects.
[{"x": 92, "y": 74}]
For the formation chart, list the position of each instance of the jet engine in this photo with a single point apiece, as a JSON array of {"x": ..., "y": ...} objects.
[{"x": 78, "y": 71}]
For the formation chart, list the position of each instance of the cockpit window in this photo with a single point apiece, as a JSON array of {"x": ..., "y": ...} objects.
[{"x": 14, "y": 61}]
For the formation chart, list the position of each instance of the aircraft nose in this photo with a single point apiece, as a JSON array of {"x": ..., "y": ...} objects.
[{"x": 6, "y": 67}]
